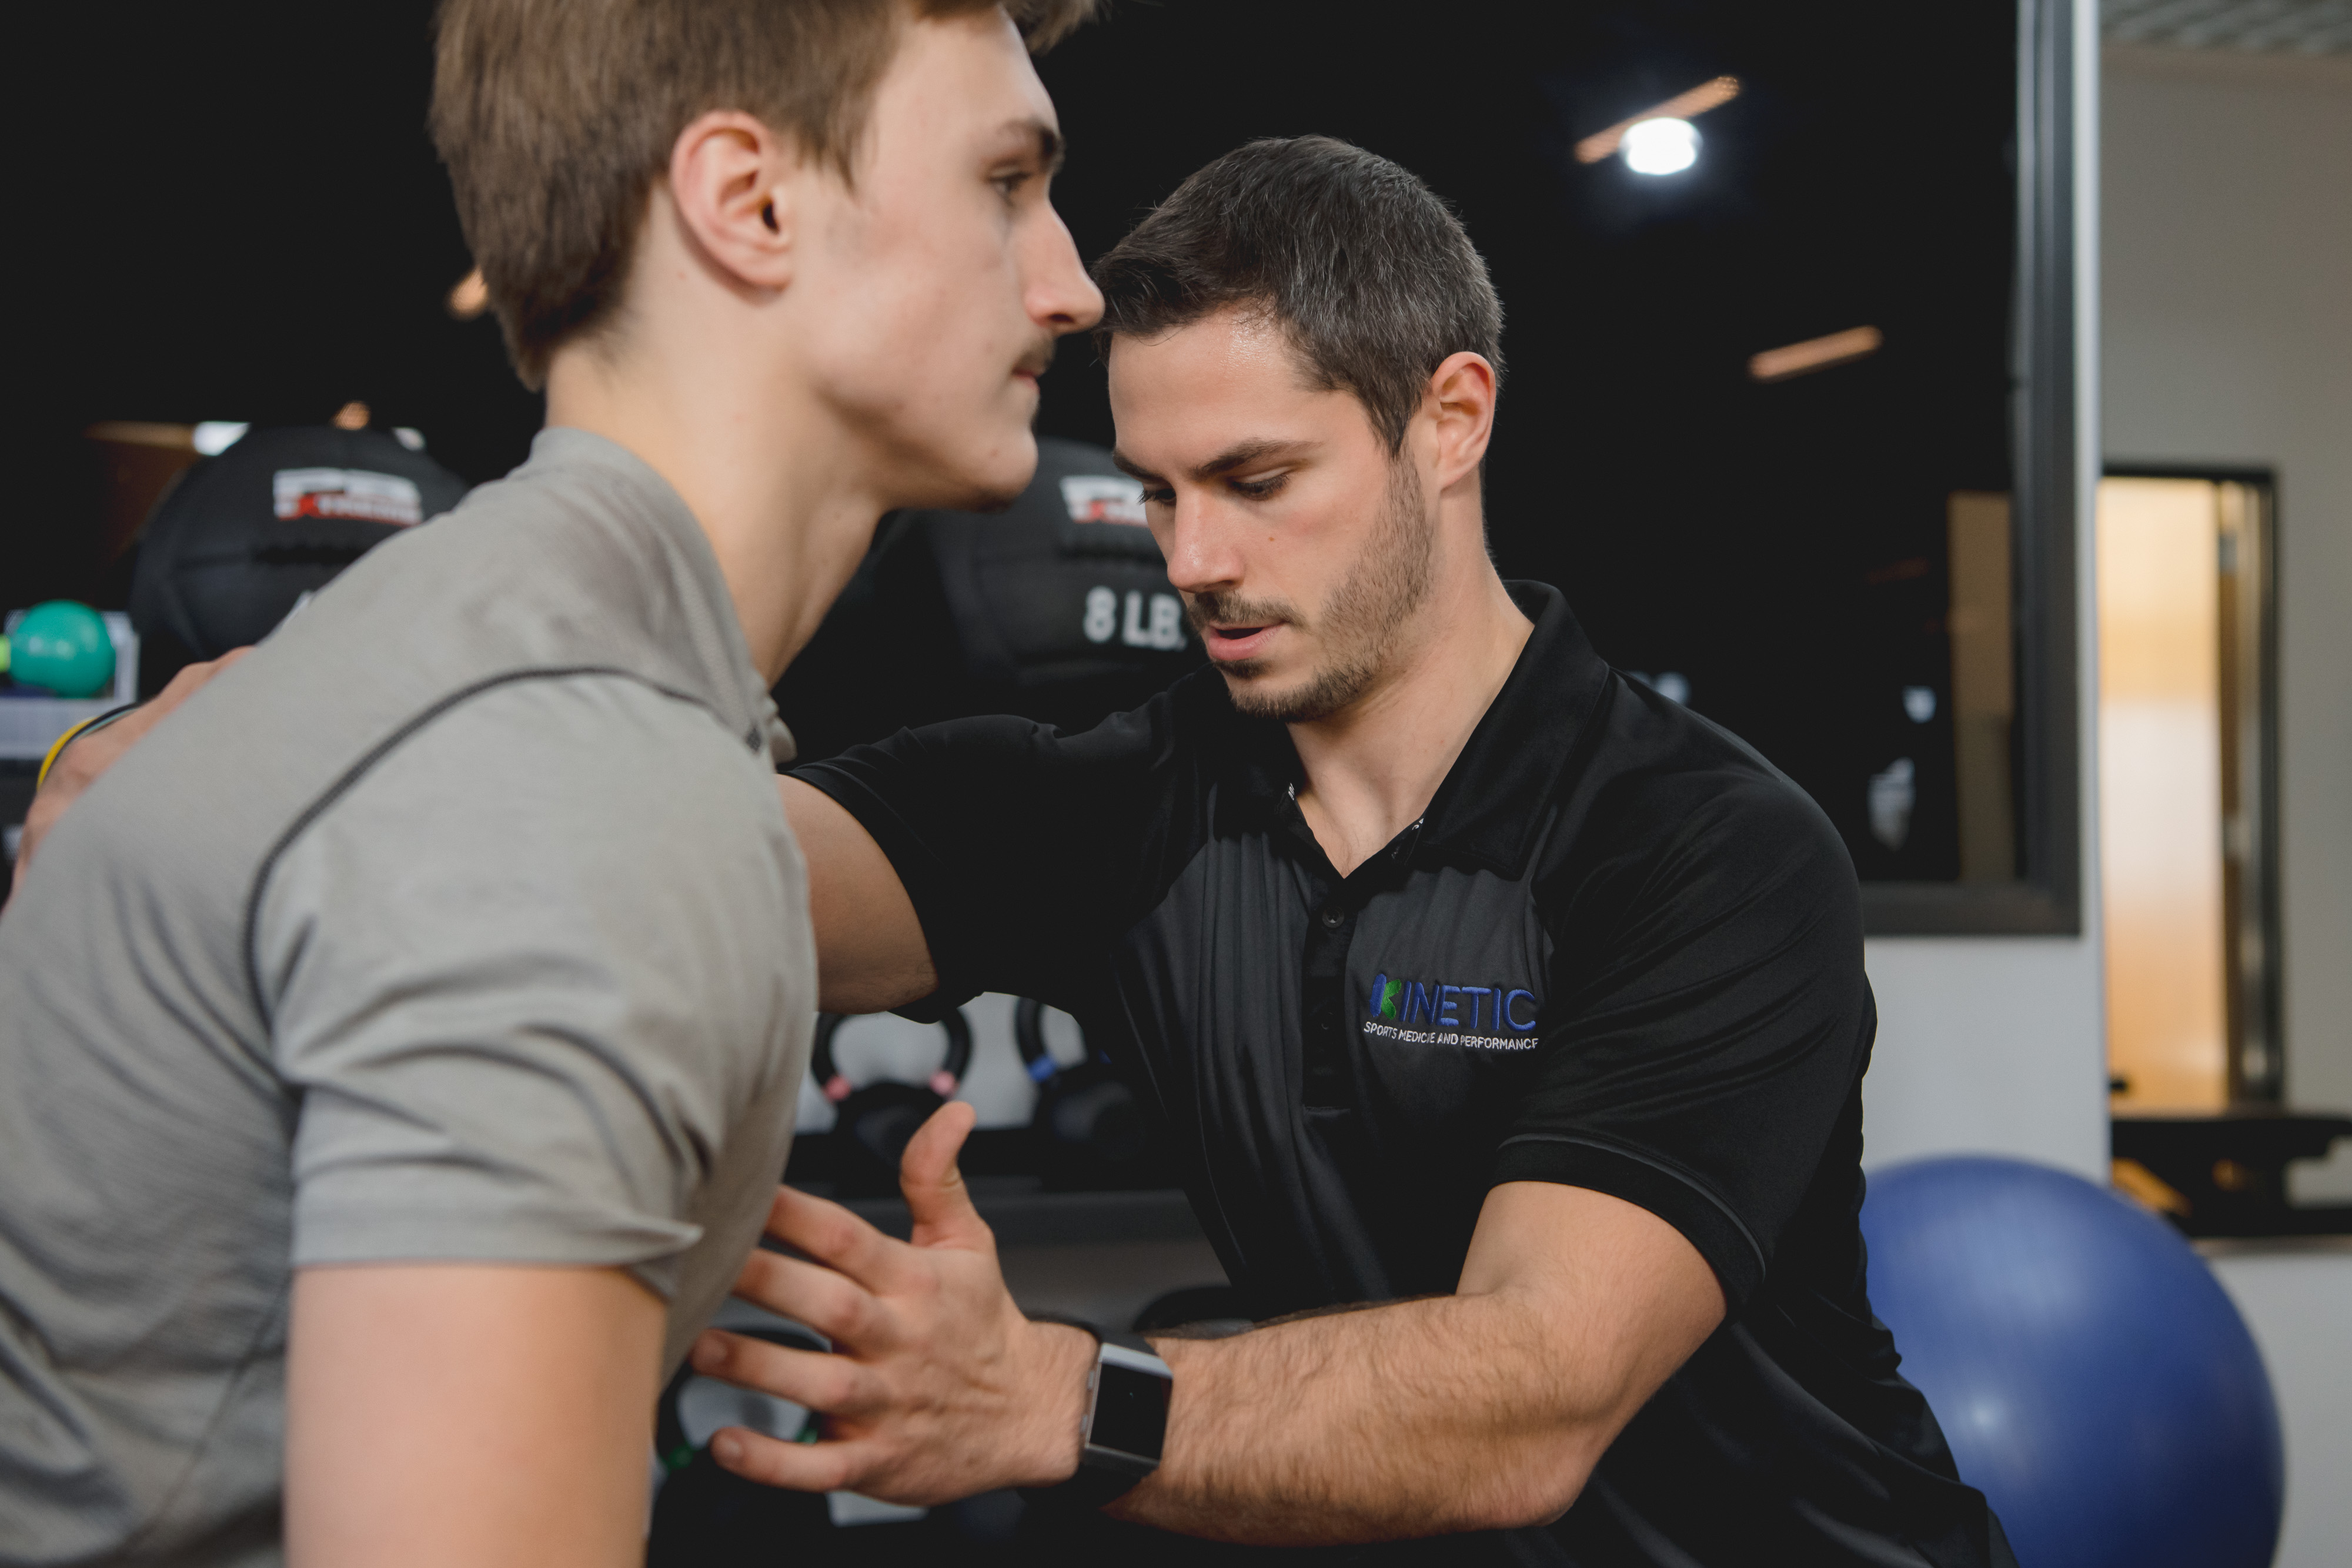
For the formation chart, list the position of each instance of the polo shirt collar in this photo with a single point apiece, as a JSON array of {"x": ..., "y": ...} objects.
[{"x": 1486, "y": 810}]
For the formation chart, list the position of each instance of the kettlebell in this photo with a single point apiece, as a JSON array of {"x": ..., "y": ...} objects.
[
  {"x": 1088, "y": 1129},
  {"x": 873, "y": 1125}
]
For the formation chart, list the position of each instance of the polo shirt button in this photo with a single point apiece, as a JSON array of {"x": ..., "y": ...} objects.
[{"x": 1333, "y": 919}]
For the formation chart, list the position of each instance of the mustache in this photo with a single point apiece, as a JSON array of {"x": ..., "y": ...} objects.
[
  {"x": 1038, "y": 359},
  {"x": 1232, "y": 610}
]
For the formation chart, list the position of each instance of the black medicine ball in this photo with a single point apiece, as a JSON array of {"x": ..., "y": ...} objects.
[{"x": 237, "y": 543}]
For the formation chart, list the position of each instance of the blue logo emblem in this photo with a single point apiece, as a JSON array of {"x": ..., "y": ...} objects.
[{"x": 1493, "y": 1009}]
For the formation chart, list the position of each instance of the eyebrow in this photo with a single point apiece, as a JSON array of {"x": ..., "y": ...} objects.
[
  {"x": 1043, "y": 140},
  {"x": 1240, "y": 454}
]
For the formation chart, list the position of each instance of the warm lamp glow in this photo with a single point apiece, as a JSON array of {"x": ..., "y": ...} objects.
[
  {"x": 1815, "y": 354},
  {"x": 470, "y": 297},
  {"x": 1682, "y": 106}
]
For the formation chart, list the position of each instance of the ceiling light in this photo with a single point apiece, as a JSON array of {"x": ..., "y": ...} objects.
[
  {"x": 1682, "y": 106},
  {"x": 214, "y": 437},
  {"x": 1660, "y": 146},
  {"x": 1815, "y": 354}
]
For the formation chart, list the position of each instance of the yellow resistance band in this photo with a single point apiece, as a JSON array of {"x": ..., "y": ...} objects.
[{"x": 69, "y": 736}]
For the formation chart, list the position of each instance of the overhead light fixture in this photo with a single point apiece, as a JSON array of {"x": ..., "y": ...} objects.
[
  {"x": 1687, "y": 105},
  {"x": 470, "y": 297},
  {"x": 1815, "y": 354},
  {"x": 1660, "y": 146},
  {"x": 214, "y": 437}
]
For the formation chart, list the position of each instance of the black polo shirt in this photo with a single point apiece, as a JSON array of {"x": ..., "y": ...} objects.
[{"x": 1619, "y": 951}]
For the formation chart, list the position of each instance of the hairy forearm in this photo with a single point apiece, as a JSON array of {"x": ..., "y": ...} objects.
[{"x": 1414, "y": 1418}]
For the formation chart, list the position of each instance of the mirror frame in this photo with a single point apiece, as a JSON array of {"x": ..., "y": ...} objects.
[{"x": 2046, "y": 488}]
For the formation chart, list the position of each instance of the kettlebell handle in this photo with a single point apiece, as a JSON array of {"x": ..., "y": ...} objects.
[
  {"x": 1029, "y": 1034},
  {"x": 836, "y": 1087}
]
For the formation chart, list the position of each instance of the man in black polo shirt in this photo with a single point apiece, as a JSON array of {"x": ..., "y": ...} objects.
[
  {"x": 1508, "y": 1018},
  {"x": 1482, "y": 991}
]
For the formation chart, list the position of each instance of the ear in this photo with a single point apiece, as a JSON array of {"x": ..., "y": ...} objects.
[
  {"x": 1460, "y": 406},
  {"x": 734, "y": 183}
]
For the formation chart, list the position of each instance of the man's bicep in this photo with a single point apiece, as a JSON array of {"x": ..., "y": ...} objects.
[
  {"x": 536, "y": 975},
  {"x": 462, "y": 1414},
  {"x": 1710, "y": 1036},
  {"x": 1627, "y": 1296},
  {"x": 870, "y": 951}
]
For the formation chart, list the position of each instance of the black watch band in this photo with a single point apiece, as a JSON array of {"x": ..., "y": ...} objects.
[{"x": 1125, "y": 1424}]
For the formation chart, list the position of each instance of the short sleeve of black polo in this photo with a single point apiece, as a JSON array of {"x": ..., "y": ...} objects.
[
  {"x": 1709, "y": 1015},
  {"x": 1012, "y": 840}
]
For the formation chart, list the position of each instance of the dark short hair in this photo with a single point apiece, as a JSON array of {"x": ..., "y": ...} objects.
[
  {"x": 556, "y": 117},
  {"x": 1366, "y": 269}
]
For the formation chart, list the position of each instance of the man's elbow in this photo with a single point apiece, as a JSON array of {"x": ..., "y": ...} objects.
[{"x": 1541, "y": 1485}]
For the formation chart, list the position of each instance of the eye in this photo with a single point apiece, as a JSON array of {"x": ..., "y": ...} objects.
[
  {"x": 1009, "y": 182},
  {"x": 1159, "y": 498},
  {"x": 1260, "y": 489}
]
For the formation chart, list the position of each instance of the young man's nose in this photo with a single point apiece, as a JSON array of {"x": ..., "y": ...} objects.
[{"x": 1062, "y": 298}]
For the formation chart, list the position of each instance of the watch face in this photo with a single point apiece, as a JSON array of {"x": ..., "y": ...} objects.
[{"x": 1130, "y": 1411}]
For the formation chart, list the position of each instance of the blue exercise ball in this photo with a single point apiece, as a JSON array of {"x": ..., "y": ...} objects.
[{"x": 2093, "y": 1377}]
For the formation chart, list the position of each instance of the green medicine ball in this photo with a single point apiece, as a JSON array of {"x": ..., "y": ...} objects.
[{"x": 62, "y": 647}]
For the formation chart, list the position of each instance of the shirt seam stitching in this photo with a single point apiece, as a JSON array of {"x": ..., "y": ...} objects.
[
  {"x": 1662, "y": 1168},
  {"x": 349, "y": 778}
]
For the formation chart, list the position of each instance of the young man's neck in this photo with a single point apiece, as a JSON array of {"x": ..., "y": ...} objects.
[
  {"x": 785, "y": 494},
  {"x": 1362, "y": 787}
]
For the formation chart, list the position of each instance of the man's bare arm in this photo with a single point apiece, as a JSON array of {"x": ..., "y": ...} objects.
[
  {"x": 1485, "y": 1409},
  {"x": 462, "y": 1415},
  {"x": 871, "y": 955}
]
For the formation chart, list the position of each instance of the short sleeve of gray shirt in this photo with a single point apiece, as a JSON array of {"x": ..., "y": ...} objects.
[{"x": 525, "y": 983}]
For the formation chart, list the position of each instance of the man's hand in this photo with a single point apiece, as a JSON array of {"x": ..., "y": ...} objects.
[
  {"x": 1485, "y": 1409},
  {"x": 78, "y": 766},
  {"x": 938, "y": 1387}
]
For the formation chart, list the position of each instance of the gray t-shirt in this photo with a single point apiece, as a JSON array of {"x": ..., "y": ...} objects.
[{"x": 459, "y": 922}]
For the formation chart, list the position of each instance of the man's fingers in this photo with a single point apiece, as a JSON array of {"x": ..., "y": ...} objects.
[
  {"x": 79, "y": 764},
  {"x": 832, "y": 1304},
  {"x": 832, "y": 1384},
  {"x": 838, "y": 1238},
  {"x": 795, "y": 1467},
  {"x": 936, "y": 1195}
]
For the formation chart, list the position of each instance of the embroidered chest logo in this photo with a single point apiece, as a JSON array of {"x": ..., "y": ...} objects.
[{"x": 1431, "y": 1012}]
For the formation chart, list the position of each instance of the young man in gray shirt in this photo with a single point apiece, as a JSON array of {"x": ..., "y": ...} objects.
[{"x": 398, "y": 1053}]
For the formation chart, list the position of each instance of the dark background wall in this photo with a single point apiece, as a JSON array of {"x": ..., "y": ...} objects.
[{"x": 234, "y": 213}]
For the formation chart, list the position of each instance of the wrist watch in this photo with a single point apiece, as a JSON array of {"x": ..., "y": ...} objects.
[{"x": 1126, "y": 1425}]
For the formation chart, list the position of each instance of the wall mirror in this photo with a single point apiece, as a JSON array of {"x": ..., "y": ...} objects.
[{"x": 1790, "y": 407}]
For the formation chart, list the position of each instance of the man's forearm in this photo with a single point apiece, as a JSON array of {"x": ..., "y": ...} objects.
[{"x": 1414, "y": 1418}]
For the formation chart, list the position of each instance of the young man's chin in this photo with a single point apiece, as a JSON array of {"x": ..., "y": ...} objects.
[{"x": 985, "y": 481}]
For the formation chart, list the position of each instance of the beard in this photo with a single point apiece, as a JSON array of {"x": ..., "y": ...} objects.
[{"x": 1358, "y": 622}]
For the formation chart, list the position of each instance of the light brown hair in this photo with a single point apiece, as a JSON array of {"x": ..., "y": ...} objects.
[{"x": 556, "y": 118}]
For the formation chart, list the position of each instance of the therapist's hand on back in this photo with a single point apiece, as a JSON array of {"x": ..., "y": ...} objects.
[
  {"x": 937, "y": 1387},
  {"x": 78, "y": 766}
]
